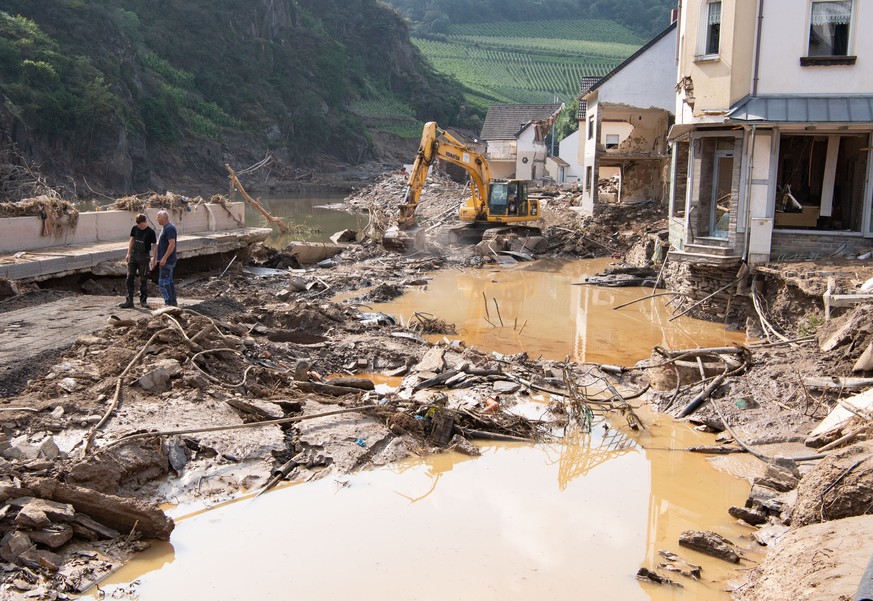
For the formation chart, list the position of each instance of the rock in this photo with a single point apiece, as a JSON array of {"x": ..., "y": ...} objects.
[
  {"x": 177, "y": 454},
  {"x": 120, "y": 513},
  {"x": 283, "y": 295},
  {"x": 360, "y": 383},
  {"x": 13, "y": 545},
  {"x": 433, "y": 361},
  {"x": 49, "y": 449},
  {"x": 158, "y": 379},
  {"x": 750, "y": 516},
  {"x": 709, "y": 543},
  {"x": 653, "y": 577},
  {"x": 40, "y": 558},
  {"x": 136, "y": 463},
  {"x": 7, "y": 288},
  {"x": 778, "y": 478},
  {"x": 91, "y": 529},
  {"x": 52, "y": 536},
  {"x": 674, "y": 563},
  {"x": 505, "y": 387},
  {"x": 344, "y": 236},
  {"x": 69, "y": 385},
  {"x": 462, "y": 445},
  {"x": 38, "y": 513}
]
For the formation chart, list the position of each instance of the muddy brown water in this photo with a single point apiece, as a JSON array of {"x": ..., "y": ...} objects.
[
  {"x": 574, "y": 520},
  {"x": 316, "y": 213}
]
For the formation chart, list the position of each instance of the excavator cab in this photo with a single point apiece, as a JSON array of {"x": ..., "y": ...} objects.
[{"x": 508, "y": 198}]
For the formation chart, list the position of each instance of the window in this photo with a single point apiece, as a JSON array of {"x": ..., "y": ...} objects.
[
  {"x": 591, "y": 127},
  {"x": 713, "y": 27},
  {"x": 612, "y": 140},
  {"x": 588, "y": 175},
  {"x": 829, "y": 27}
]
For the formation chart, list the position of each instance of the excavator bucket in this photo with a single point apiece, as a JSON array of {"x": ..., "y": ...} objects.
[{"x": 404, "y": 241}]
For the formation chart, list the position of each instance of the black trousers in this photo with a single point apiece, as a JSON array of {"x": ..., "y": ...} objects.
[{"x": 138, "y": 264}]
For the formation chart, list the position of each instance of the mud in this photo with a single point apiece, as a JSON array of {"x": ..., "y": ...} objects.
[{"x": 252, "y": 349}]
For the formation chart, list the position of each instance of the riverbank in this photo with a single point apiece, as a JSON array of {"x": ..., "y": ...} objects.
[{"x": 267, "y": 346}]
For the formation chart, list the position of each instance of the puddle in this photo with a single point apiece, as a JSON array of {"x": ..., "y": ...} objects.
[
  {"x": 574, "y": 520},
  {"x": 543, "y": 313},
  {"x": 522, "y": 521}
]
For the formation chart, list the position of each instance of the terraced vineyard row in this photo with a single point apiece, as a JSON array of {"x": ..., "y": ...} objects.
[{"x": 528, "y": 62}]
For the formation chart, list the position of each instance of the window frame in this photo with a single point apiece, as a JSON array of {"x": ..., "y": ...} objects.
[
  {"x": 608, "y": 145},
  {"x": 830, "y": 59},
  {"x": 705, "y": 52}
]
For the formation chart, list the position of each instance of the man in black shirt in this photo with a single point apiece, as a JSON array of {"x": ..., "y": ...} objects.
[{"x": 139, "y": 252}]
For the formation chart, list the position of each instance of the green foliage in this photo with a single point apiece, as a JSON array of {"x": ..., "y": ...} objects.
[
  {"x": 646, "y": 17},
  {"x": 810, "y": 325},
  {"x": 567, "y": 122}
]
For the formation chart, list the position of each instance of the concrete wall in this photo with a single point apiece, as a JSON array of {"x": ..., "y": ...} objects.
[
  {"x": 25, "y": 233},
  {"x": 568, "y": 149}
]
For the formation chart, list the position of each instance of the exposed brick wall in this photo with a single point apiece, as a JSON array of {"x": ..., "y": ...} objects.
[{"x": 793, "y": 245}]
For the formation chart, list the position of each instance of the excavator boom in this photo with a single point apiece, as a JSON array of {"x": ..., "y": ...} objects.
[{"x": 491, "y": 202}]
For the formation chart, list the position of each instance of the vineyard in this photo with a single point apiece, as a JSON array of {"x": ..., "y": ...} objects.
[{"x": 533, "y": 62}]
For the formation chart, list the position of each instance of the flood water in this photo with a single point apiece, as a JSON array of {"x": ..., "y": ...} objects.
[
  {"x": 574, "y": 520},
  {"x": 310, "y": 210}
]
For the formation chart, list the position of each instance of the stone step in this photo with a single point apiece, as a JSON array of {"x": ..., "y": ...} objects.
[
  {"x": 704, "y": 258},
  {"x": 709, "y": 249}
]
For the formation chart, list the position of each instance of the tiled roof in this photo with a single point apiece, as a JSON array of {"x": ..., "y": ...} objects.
[
  {"x": 504, "y": 122},
  {"x": 585, "y": 84}
]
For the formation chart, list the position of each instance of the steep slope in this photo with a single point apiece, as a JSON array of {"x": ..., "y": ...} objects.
[{"x": 142, "y": 94}]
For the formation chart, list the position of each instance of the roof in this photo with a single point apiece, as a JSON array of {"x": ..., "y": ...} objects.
[
  {"x": 803, "y": 109},
  {"x": 558, "y": 161},
  {"x": 585, "y": 84},
  {"x": 632, "y": 57},
  {"x": 505, "y": 121}
]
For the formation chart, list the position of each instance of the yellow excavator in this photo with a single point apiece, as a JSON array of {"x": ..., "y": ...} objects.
[{"x": 493, "y": 202}]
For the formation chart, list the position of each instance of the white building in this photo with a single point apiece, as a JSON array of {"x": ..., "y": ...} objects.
[
  {"x": 515, "y": 135},
  {"x": 629, "y": 112}
]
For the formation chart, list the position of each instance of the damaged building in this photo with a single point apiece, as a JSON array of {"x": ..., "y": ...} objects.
[
  {"x": 629, "y": 112},
  {"x": 769, "y": 162}
]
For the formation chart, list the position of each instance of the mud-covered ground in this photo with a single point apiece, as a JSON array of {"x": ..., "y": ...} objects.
[{"x": 172, "y": 405}]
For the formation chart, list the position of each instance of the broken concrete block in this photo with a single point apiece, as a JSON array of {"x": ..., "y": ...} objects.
[
  {"x": 158, "y": 379},
  {"x": 433, "y": 361},
  {"x": 462, "y": 445},
  {"x": 283, "y": 295},
  {"x": 21, "y": 452}
]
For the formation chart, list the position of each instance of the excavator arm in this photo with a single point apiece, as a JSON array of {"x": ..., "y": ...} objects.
[{"x": 435, "y": 144}]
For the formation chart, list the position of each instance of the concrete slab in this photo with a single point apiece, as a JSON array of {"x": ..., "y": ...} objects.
[{"x": 58, "y": 261}]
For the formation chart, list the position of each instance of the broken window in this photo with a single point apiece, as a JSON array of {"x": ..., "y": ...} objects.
[
  {"x": 829, "y": 27},
  {"x": 713, "y": 27},
  {"x": 611, "y": 140},
  {"x": 820, "y": 183}
]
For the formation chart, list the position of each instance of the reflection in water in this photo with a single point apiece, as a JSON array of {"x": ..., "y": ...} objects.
[
  {"x": 571, "y": 520},
  {"x": 579, "y": 454},
  {"x": 519, "y": 522},
  {"x": 536, "y": 308}
]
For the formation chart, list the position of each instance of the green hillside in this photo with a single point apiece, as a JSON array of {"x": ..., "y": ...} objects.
[{"x": 533, "y": 62}]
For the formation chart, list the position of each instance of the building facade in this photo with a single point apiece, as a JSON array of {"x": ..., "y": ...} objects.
[
  {"x": 774, "y": 117},
  {"x": 623, "y": 134}
]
